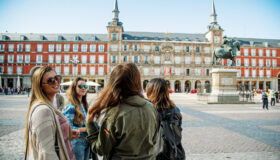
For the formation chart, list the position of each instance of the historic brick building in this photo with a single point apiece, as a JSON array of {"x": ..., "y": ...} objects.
[{"x": 185, "y": 60}]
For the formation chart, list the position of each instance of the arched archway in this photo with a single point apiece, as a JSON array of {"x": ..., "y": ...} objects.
[
  {"x": 145, "y": 82},
  {"x": 177, "y": 86},
  {"x": 188, "y": 86},
  {"x": 197, "y": 84},
  {"x": 207, "y": 86}
]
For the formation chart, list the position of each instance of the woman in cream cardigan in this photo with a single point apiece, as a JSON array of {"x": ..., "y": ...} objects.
[{"x": 47, "y": 133}]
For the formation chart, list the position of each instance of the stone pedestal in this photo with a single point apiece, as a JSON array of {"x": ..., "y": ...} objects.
[{"x": 224, "y": 86}]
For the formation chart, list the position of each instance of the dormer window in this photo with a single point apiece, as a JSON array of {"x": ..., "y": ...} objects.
[
  {"x": 77, "y": 38},
  {"x": 251, "y": 43},
  {"x": 93, "y": 38},
  {"x": 4, "y": 37},
  {"x": 23, "y": 38},
  {"x": 114, "y": 37},
  {"x": 265, "y": 44},
  {"x": 42, "y": 38},
  {"x": 60, "y": 38}
]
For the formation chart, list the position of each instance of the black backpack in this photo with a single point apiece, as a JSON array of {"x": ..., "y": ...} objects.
[{"x": 171, "y": 135}]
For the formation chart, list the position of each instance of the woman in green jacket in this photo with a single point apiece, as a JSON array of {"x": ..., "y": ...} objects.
[{"x": 130, "y": 127}]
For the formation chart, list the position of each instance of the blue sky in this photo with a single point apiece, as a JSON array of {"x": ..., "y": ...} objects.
[{"x": 239, "y": 18}]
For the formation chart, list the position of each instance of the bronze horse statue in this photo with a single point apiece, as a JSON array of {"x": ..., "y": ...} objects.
[{"x": 226, "y": 51}]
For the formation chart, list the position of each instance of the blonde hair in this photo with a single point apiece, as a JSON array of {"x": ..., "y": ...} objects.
[{"x": 73, "y": 98}]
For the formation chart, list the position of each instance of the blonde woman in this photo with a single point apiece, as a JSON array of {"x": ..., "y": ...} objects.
[
  {"x": 48, "y": 132},
  {"x": 76, "y": 111}
]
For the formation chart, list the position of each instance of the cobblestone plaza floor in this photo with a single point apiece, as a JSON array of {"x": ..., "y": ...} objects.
[{"x": 210, "y": 132}]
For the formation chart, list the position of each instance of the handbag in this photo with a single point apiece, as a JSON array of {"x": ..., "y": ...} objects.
[{"x": 56, "y": 147}]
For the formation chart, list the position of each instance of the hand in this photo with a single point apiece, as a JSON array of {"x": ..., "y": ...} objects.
[
  {"x": 75, "y": 133},
  {"x": 84, "y": 129},
  {"x": 89, "y": 118}
]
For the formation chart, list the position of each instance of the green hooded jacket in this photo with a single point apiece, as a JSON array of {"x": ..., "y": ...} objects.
[{"x": 132, "y": 134}]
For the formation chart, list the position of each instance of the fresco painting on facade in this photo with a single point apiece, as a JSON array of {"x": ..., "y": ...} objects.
[{"x": 183, "y": 59}]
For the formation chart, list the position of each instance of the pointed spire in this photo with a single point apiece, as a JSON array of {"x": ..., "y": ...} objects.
[
  {"x": 213, "y": 14},
  {"x": 116, "y": 11}
]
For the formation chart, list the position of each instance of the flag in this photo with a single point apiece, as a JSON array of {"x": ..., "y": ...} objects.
[
  {"x": 169, "y": 71},
  {"x": 164, "y": 70}
]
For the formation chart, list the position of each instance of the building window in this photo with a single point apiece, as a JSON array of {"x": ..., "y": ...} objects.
[
  {"x": 268, "y": 63},
  {"x": 238, "y": 62},
  {"x": 1, "y": 58},
  {"x": 92, "y": 48},
  {"x": 92, "y": 71},
  {"x": 187, "y": 48},
  {"x": 261, "y": 62},
  {"x": 84, "y": 59},
  {"x": 177, "y": 49},
  {"x": 207, "y": 60},
  {"x": 50, "y": 58},
  {"x": 188, "y": 60},
  {"x": 125, "y": 59},
  {"x": 58, "y": 47},
  {"x": 2, "y": 47},
  {"x": 246, "y": 62},
  {"x": 39, "y": 47},
  {"x": 100, "y": 59},
  {"x": 253, "y": 52},
  {"x": 268, "y": 53},
  {"x": 254, "y": 73},
  {"x": 114, "y": 37},
  {"x": 58, "y": 59},
  {"x": 101, "y": 48},
  {"x": 146, "y": 48},
  {"x": 66, "y": 70},
  {"x": 114, "y": 59},
  {"x": 261, "y": 73},
  {"x": 27, "y": 58},
  {"x": 84, "y": 47},
  {"x": 229, "y": 62},
  {"x": 246, "y": 73},
  {"x": 268, "y": 73},
  {"x": 273, "y": 53},
  {"x": 207, "y": 72},
  {"x": 157, "y": 71},
  {"x": 156, "y": 48},
  {"x": 75, "y": 70},
  {"x": 197, "y": 60},
  {"x": 246, "y": 52},
  {"x": 157, "y": 60},
  {"x": 177, "y": 71},
  {"x": 58, "y": 70},
  {"x": 1, "y": 69},
  {"x": 19, "y": 70},
  {"x": 39, "y": 59},
  {"x": 92, "y": 59},
  {"x": 66, "y": 47},
  {"x": 187, "y": 72},
  {"x": 260, "y": 52},
  {"x": 51, "y": 47},
  {"x": 146, "y": 59},
  {"x": 274, "y": 63},
  {"x": 20, "y": 47},
  {"x": 207, "y": 50},
  {"x": 197, "y": 71},
  {"x": 136, "y": 60},
  {"x": 254, "y": 62},
  {"x": 146, "y": 71},
  {"x": 125, "y": 47},
  {"x": 27, "y": 48},
  {"x": 10, "y": 70},
  {"x": 75, "y": 48},
  {"x": 197, "y": 49},
  {"x": 114, "y": 48},
  {"x": 239, "y": 73},
  {"x": 177, "y": 60},
  {"x": 11, "y": 47},
  {"x": 238, "y": 53},
  {"x": 19, "y": 58},
  {"x": 100, "y": 71},
  {"x": 10, "y": 58},
  {"x": 66, "y": 58},
  {"x": 84, "y": 70},
  {"x": 136, "y": 47}
]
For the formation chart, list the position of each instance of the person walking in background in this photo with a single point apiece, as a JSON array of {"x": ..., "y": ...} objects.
[
  {"x": 130, "y": 127},
  {"x": 76, "y": 111},
  {"x": 272, "y": 96},
  {"x": 158, "y": 93},
  {"x": 265, "y": 99},
  {"x": 277, "y": 96},
  {"x": 47, "y": 131}
]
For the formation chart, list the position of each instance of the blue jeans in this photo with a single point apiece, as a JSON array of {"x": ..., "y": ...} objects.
[{"x": 81, "y": 148}]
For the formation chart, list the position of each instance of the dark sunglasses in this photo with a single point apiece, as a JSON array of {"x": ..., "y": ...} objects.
[
  {"x": 51, "y": 80},
  {"x": 83, "y": 86}
]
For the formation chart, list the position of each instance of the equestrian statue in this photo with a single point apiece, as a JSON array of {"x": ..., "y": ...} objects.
[{"x": 226, "y": 51}]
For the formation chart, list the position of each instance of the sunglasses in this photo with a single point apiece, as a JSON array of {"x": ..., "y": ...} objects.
[
  {"x": 83, "y": 86},
  {"x": 51, "y": 80}
]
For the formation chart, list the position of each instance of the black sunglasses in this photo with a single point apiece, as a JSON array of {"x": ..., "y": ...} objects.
[
  {"x": 83, "y": 86},
  {"x": 51, "y": 80}
]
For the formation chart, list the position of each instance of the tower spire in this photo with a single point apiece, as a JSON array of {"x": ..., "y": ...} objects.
[
  {"x": 116, "y": 12},
  {"x": 213, "y": 14}
]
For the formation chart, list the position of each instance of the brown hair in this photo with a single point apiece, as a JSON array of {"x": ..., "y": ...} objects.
[
  {"x": 124, "y": 81},
  {"x": 158, "y": 93},
  {"x": 73, "y": 98}
]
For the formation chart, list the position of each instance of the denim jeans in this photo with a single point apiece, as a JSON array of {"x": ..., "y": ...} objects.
[{"x": 81, "y": 148}]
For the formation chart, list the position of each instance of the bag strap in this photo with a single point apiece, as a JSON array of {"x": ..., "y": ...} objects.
[{"x": 56, "y": 147}]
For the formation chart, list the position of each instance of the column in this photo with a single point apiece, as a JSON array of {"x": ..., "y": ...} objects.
[
  {"x": 5, "y": 82},
  {"x": 193, "y": 84},
  {"x": 182, "y": 86},
  {"x": 172, "y": 85},
  {"x": 14, "y": 82},
  {"x": 250, "y": 85},
  {"x": 257, "y": 84},
  {"x": 202, "y": 86},
  {"x": 264, "y": 85},
  {"x": 243, "y": 86}
]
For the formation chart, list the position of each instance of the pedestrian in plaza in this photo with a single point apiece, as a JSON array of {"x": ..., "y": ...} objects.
[
  {"x": 130, "y": 126},
  {"x": 265, "y": 99},
  {"x": 47, "y": 133},
  {"x": 76, "y": 111},
  {"x": 158, "y": 93},
  {"x": 28, "y": 91},
  {"x": 272, "y": 96},
  {"x": 277, "y": 96}
]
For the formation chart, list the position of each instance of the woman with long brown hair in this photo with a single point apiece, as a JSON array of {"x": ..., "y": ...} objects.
[
  {"x": 47, "y": 132},
  {"x": 158, "y": 93},
  {"x": 129, "y": 129},
  {"x": 76, "y": 110}
]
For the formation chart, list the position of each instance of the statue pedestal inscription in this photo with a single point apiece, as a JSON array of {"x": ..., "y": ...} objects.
[{"x": 224, "y": 87}]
